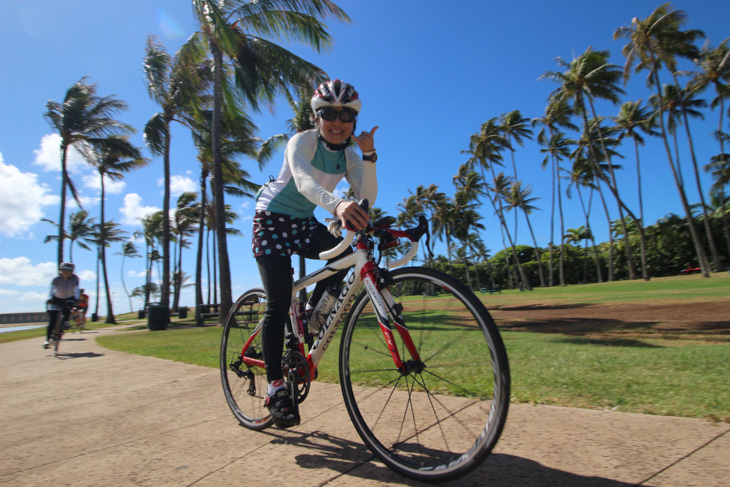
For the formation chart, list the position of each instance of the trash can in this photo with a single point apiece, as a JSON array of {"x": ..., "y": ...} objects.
[
  {"x": 141, "y": 314},
  {"x": 182, "y": 312},
  {"x": 94, "y": 317},
  {"x": 159, "y": 317}
]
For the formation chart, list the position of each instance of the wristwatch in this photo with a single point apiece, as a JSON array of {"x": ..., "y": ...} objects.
[{"x": 370, "y": 156}]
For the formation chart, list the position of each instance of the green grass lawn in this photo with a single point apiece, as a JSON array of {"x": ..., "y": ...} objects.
[{"x": 685, "y": 376}]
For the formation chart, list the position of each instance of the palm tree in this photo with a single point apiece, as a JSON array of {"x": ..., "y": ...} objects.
[
  {"x": 112, "y": 157},
  {"x": 263, "y": 69},
  {"x": 633, "y": 119},
  {"x": 129, "y": 250},
  {"x": 679, "y": 105},
  {"x": 515, "y": 128},
  {"x": 152, "y": 233},
  {"x": 484, "y": 148},
  {"x": 80, "y": 226},
  {"x": 519, "y": 198},
  {"x": 103, "y": 236},
  {"x": 557, "y": 114},
  {"x": 714, "y": 67},
  {"x": 178, "y": 84},
  {"x": 443, "y": 224},
  {"x": 656, "y": 42},
  {"x": 186, "y": 215},
  {"x": 575, "y": 236},
  {"x": 586, "y": 78},
  {"x": 82, "y": 119},
  {"x": 582, "y": 175}
]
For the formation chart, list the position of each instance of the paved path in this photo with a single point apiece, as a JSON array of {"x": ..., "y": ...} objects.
[{"x": 94, "y": 417}]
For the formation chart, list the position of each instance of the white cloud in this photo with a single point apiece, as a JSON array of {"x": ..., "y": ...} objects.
[
  {"x": 21, "y": 272},
  {"x": 34, "y": 297},
  {"x": 86, "y": 276},
  {"x": 22, "y": 200},
  {"x": 49, "y": 156},
  {"x": 8, "y": 292},
  {"x": 91, "y": 180},
  {"x": 133, "y": 209},
  {"x": 182, "y": 184},
  {"x": 136, "y": 274}
]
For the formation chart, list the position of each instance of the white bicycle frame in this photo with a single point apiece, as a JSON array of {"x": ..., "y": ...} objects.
[{"x": 362, "y": 273}]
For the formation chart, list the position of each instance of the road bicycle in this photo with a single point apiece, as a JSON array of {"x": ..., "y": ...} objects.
[
  {"x": 78, "y": 319},
  {"x": 58, "y": 329},
  {"x": 422, "y": 367}
]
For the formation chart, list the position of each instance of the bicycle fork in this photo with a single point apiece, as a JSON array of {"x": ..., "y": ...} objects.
[{"x": 385, "y": 306}]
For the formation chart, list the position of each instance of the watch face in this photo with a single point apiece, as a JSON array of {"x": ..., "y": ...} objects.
[{"x": 372, "y": 157}]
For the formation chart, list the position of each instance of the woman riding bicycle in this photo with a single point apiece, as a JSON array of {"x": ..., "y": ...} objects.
[
  {"x": 64, "y": 295},
  {"x": 315, "y": 161}
]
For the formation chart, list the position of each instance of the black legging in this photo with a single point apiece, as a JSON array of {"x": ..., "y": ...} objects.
[
  {"x": 276, "y": 276},
  {"x": 53, "y": 317}
]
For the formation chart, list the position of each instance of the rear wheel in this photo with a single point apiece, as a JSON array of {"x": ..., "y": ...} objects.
[
  {"x": 243, "y": 385},
  {"x": 439, "y": 418}
]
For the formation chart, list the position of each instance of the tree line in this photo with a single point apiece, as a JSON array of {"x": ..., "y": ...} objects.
[{"x": 580, "y": 149}]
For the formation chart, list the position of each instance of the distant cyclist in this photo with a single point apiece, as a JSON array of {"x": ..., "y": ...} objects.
[
  {"x": 82, "y": 306},
  {"x": 65, "y": 293}
]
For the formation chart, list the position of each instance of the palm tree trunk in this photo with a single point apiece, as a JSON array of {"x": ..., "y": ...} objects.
[
  {"x": 199, "y": 254},
  {"x": 62, "y": 217},
  {"x": 706, "y": 221},
  {"x": 589, "y": 232},
  {"x": 611, "y": 274},
  {"x": 721, "y": 192},
  {"x": 537, "y": 251},
  {"x": 699, "y": 249},
  {"x": 561, "y": 257},
  {"x": 109, "y": 304},
  {"x": 165, "y": 291},
  {"x": 552, "y": 216},
  {"x": 224, "y": 267},
  {"x": 124, "y": 285},
  {"x": 98, "y": 279},
  {"x": 500, "y": 214},
  {"x": 613, "y": 187}
]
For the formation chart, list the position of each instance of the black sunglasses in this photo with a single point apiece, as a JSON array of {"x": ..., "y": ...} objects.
[{"x": 345, "y": 115}]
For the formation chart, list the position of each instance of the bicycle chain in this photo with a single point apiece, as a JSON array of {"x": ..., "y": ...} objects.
[{"x": 297, "y": 374}]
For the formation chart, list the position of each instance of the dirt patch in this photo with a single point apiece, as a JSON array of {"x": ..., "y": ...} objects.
[{"x": 705, "y": 321}]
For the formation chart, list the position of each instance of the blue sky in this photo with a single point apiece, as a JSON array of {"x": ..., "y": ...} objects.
[{"x": 429, "y": 74}]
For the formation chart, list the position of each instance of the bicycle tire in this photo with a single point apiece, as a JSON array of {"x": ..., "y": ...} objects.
[
  {"x": 57, "y": 334},
  {"x": 245, "y": 387},
  {"x": 441, "y": 422}
]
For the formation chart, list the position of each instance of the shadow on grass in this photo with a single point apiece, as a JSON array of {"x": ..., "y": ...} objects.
[
  {"x": 612, "y": 332},
  {"x": 609, "y": 342},
  {"x": 542, "y": 307}
]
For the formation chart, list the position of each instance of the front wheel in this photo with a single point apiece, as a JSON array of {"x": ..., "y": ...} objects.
[
  {"x": 56, "y": 334},
  {"x": 441, "y": 417},
  {"x": 243, "y": 385}
]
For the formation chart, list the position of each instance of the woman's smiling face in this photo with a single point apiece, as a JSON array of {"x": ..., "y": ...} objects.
[{"x": 335, "y": 131}]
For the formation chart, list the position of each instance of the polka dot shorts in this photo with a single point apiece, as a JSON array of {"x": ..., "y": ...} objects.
[{"x": 277, "y": 234}]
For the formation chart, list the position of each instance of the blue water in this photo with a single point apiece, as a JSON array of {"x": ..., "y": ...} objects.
[{"x": 18, "y": 328}]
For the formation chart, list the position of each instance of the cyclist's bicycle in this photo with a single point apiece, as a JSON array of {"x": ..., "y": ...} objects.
[
  {"x": 59, "y": 327},
  {"x": 422, "y": 367},
  {"x": 78, "y": 319}
]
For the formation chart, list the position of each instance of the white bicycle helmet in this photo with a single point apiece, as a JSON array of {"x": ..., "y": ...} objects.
[
  {"x": 66, "y": 266},
  {"x": 336, "y": 94}
]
